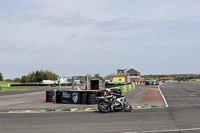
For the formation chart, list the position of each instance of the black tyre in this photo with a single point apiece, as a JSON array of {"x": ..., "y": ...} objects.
[
  {"x": 100, "y": 93},
  {"x": 83, "y": 101},
  {"x": 49, "y": 100},
  {"x": 91, "y": 97},
  {"x": 127, "y": 107},
  {"x": 103, "y": 107},
  {"x": 58, "y": 96},
  {"x": 49, "y": 96},
  {"x": 83, "y": 97},
  {"x": 91, "y": 101}
]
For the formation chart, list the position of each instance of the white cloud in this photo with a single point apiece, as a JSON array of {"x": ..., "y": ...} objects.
[{"x": 94, "y": 30}]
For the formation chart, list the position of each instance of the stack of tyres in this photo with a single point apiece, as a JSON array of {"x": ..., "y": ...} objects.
[
  {"x": 58, "y": 96},
  {"x": 83, "y": 96},
  {"x": 100, "y": 93},
  {"x": 49, "y": 96},
  {"x": 91, "y": 95}
]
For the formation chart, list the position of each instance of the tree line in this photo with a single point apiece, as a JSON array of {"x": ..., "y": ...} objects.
[
  {"x": 178, "y": 77},
  {"x": 35, "y": 76},
  {"x": 39, "y": 76}
]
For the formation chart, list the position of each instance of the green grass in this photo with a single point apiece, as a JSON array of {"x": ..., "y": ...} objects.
[
  {"x": 195, "y": 82},
  {"x": 7, "y": 90}
]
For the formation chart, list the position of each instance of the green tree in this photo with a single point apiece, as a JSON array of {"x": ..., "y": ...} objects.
[
  {"x": 51, "y": 75},
  {"x": 23, "y": 79},
  {"x": 9, "y": 80},
  {"x": 39, "y": 76},
  {"x": 98, "y": 76},
  {"x": 17, "y": 80},
  {"x": 89, "y": 76},
  {"x": 31, "y": 77},
  {"x": 1, "y": 76}
]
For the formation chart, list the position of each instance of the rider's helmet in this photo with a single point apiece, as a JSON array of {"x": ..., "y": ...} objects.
[{"x": 107, "y": 92}]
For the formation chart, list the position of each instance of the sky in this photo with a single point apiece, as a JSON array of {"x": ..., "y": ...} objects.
[{"x": 79, "y": 37}]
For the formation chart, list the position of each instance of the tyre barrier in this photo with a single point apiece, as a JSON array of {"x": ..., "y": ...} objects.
[
  {"x": 91, "y": 97},
  {"x": 49, "y": 96},
  {"x": 83, "y": 97},
  {"x": 100, "y": 93},
  {"x": 58, "y": 96}
]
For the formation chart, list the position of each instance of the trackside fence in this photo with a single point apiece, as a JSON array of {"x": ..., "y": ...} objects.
[{"x": 125, "y": 88}]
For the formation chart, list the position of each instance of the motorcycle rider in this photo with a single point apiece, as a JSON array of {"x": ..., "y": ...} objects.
[{"x": 114, "y": 96}]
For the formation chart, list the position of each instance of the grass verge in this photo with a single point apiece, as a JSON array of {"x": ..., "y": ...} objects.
[
  {"x": 7, "y": 90},
  {"x": 194, "y": 82}
]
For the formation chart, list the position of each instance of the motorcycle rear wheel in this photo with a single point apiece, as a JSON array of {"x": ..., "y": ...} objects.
[
  {"x": 127, "y": 107},
  {"x": 103, "y": 107}
]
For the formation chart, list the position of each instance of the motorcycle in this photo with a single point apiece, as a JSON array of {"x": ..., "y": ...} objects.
[{"x": 113, "y": 102}]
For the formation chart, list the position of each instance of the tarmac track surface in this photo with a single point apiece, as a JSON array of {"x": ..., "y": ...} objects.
[{"x": 182, "y": 116}]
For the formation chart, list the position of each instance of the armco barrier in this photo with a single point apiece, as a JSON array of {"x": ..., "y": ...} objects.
[{"x": 125, "y": 88}]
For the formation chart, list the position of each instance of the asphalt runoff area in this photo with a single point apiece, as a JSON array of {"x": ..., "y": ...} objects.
[
  {"x": 141, "y": 97},
  {"x": 182, "y": 116}
]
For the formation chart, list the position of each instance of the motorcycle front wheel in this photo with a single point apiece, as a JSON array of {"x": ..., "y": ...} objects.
[
  {"x": 127, "y": 107},
  {"x": 103, "y": 107}
]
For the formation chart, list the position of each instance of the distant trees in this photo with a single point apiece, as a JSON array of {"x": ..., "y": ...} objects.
[
  {"x": 98, "y": 76},
  {"x": 39, "y": 76},
  {"x": 89, "y": 76},
  {"x": 8, "y": 80},
  {"x": 1, "y": 76},
  {"x": 95, "y": 75},
  {"x": 16, "y": 80},
  {"x": 179, "y": 77}
]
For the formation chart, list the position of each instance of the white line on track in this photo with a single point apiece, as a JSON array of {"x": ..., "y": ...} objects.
[
  {"x": 174, "y": 130},
  {"x": 163, "y": 97}
]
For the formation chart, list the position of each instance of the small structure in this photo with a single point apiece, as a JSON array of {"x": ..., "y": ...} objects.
[
  {"x": 120, "y": 77},
  {"x": 134, "y": 75},
  {"x": 126, "y": 76},
  {"x": 96, "y": 84}
]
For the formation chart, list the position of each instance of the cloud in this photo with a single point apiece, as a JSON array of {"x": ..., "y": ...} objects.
[
  {"x": 100, "y": 51},
  {"x": 14, "y": 17},
  {"x": 104, "y": 38},
  {"x": 130, "y": 23},
  {"x": 67, "y": 19},
  {"x": 28, "y": 48},
  {"x": 11, "y": 47},
  {"x": 64, "y": 16},
  {"x": 73, "y": 36}
]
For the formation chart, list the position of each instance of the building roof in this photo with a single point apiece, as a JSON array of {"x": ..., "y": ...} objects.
[
  {"x": 97, "y": 78},
  {"x": 132, "y": 71}
]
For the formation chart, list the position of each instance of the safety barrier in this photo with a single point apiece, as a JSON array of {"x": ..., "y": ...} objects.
[
  {"x": 83, "y": 97},
  {"x": 5, "y": 85},
  {"x": 136, "y": 83},
  {"x": 171, "y": 81},
  {"x": 72, "y": 97},
  {"x": 125, "y": 88}
]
